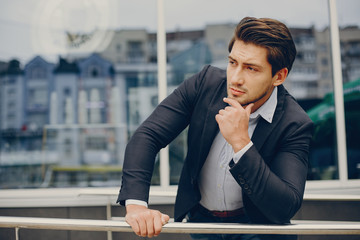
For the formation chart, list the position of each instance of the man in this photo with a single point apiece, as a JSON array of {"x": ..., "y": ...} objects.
[{"x": 248, "y": 140}]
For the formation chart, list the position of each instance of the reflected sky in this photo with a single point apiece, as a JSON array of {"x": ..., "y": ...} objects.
[{"x": 31, "y": 27}]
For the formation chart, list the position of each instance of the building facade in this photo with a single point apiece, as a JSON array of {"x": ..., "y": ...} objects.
[{"x": 81, "y": 110}]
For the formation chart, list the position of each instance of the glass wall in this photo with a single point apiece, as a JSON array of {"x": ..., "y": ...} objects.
[
  {"x": 350, "y": 55},
  {"x": 200, "y": 39},
  {"x": 78, "y": 78}
]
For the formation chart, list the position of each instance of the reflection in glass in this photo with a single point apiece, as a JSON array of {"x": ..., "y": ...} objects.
[
  {"x": 69, "y": 104},
  {"x": 76, "y": 93},
  {"x": 199, "y": 40},
  {"x": 350, "y": 56}
]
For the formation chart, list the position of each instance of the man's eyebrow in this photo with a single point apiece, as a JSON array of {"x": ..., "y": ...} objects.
[
  {"x": 253, "y": 65},
  {"x": 231, "y": 58},
  {"x": 246, "y": 63}
]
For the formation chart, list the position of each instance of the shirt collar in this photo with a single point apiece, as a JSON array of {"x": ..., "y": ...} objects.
[{"x": 267, "y": 110}]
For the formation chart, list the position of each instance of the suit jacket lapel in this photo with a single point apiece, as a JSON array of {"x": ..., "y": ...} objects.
[
  {"x": 210, "y": 125},
  {"x": 264, "y": 128}
]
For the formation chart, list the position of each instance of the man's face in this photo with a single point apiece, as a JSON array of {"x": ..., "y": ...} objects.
[{"x": 249, "y": 77}]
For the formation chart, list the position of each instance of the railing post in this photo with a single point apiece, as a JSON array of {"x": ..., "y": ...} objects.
[
  {"x": 17, "y": 233},
  {"x": 108, "y": 216},
  {"x": 338, "y": 93},
  {"x": 162, "y": 88}
]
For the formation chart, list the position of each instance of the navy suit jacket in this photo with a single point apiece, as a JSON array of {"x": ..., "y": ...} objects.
[{"x": 272, "y": 173}]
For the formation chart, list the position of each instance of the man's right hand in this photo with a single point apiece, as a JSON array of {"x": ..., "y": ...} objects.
[{"x": 145, "y": 222}]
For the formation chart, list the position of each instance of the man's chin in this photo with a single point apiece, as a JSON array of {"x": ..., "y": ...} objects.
[{"x": 242, "y": 103}]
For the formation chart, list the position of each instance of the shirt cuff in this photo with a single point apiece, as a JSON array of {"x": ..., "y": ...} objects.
[
  {"x": 240, "y": 153},
  {"x": 136, "y": 202}
]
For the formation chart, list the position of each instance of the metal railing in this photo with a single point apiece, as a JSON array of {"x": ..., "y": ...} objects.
[
  {"x": 299, "y": 227},
  {"x": 107, "y": 197}
]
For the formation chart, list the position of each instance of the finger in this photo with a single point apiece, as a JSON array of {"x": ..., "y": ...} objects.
[
  {"x": 149, "y": 227},
  {"x": 248, "y": 108},
  {"x": 142, "y": 227},
  {"x": 228, "y": 108},
  {"x": 232, "y": 102},
  {"x": 165, "y": 218},
  {"x": 222, "y": 111},
  {"x": 219, "y": 118},
  {"x": 133, "y": 224},
  {"x": 157, "y": 225}
]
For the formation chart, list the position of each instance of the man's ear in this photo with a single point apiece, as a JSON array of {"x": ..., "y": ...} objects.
[{"x": 280, "y": 76}]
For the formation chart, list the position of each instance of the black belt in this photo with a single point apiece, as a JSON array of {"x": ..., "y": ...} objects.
[{"x": 222, "y": 214}]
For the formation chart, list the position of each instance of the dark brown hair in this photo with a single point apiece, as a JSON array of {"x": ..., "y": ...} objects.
[{"x": 270, "y": 34}]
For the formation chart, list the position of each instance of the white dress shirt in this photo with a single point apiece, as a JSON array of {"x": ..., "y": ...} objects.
[{"x": 219, "y": 191}]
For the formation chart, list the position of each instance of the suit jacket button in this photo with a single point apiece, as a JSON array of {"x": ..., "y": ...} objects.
[
  {"x": 241, "y": 181},
  {"x": 249, "y": 192},
  {"x": 246, "y": 186}
]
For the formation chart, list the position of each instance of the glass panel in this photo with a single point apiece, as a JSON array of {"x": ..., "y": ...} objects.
[
  {"x": 73, "y": 78},
  {"x": 350, "y": 55},
  {"x": 201, "y": 36},
  {"x": 105, "y": 80}
]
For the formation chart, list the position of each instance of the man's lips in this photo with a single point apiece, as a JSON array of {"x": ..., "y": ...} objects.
[{"x": 236, "y": 92}]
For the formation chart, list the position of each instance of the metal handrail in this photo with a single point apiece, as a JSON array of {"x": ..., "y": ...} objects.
[{"x": 298, "y": 227}]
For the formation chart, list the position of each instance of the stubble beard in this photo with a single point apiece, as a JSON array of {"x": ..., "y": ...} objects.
[{"x": 246, "y": 102}]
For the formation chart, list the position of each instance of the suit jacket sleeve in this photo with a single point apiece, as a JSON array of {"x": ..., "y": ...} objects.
[
  {"x": 166, "y": 122},
  {"x": 273, "y": 177}
]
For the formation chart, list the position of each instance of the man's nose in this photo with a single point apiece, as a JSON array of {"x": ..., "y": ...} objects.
[{"x": 238, "y": 77}]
